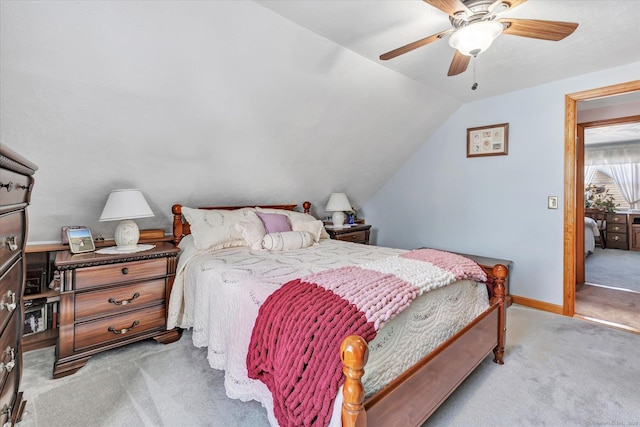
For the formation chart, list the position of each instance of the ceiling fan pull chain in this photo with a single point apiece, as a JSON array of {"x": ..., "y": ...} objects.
[{"x": 475, "y": 83}]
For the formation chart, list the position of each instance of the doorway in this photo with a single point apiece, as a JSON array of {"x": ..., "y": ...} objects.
[{"x": 573, "y": 196}]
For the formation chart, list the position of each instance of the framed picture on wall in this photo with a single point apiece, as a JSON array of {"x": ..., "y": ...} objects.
[{"x": 490, "y": 140}]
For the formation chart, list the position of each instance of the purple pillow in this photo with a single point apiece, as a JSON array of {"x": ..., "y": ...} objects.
[{"x": 274, "y": 223}]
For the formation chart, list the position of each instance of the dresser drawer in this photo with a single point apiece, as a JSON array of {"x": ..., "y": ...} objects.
[
  {"x": 14, "y": 190},
  {"x": 118, "y": 328},
  {"x": 91, "y": 277},
  {"x": 12, "y": 227},
  {"x": 617, "y": 219},
  {"x": 10, "y": 286},
  {"x": 9, "y": 346},
  {"x": 616, "y": 227},
  {"x": 118, "y": 299},
  {"x": 8, "y": 394},
  {"x": 356, "y": 237}
]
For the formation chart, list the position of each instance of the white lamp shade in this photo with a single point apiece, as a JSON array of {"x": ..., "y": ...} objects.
[
  {"x": 474, "y": 38},
  {"x": 338, "y": 204},
  {"x": 125, "y": 204}
]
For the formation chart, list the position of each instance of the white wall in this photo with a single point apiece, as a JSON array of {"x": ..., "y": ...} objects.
[
  {"x": 492, "y": 206},
  {"x": 201, "y": 103}
]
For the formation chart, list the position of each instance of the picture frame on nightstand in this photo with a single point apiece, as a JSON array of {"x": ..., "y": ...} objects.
[{"x": 80, "y": 240}]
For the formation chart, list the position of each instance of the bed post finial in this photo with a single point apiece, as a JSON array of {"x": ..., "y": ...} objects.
[
  {"x": 177, "y": 223},
  {"x": 500, "y": 274},
  {"x": 306, "y": 206},
  {"x": 354, "y": 353}
]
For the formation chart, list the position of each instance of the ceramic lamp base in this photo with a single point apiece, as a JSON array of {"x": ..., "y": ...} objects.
[
  {"x": 338, "y": 218},
  {"x": 127, "y": 235}
]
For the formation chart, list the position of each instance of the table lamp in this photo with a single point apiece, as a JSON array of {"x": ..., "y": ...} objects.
[
  {"x": 124, "y": 206},
  {"x": 338, "y": 204}
]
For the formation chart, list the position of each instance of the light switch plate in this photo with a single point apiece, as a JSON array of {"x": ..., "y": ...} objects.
[{"x": 552, "y": 202}]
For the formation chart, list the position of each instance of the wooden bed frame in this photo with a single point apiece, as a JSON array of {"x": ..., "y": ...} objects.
[{"x": 416, "y": 394}]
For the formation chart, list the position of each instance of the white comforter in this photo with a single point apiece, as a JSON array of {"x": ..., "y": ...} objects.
[
  {"x": 218, "y": 295},
  {"x": 590, "y": 233}
]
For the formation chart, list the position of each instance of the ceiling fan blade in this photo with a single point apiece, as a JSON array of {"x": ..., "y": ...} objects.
[
  {"x": 450, "y": 7},
  {"x": 414, "y": 45},
  {"x": 458, "y": 64},
  {"x": 537, "y": 29}
]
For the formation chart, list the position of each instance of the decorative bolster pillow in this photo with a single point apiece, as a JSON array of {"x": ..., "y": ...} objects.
[
  {"x": 315, "y": 227},
  {"x": 287, "y": 240},
  {"x": 297, "y": 218}
]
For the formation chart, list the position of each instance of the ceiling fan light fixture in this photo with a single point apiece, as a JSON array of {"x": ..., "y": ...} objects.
[{"x": 476, "y": 37}]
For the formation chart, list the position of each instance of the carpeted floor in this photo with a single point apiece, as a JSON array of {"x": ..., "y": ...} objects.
[
  {"x": 558, "y": 371},
  {"x": 614, "y": 267}
]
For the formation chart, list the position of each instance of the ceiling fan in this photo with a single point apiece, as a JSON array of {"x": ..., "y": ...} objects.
[{"x": 475, "y": 27}]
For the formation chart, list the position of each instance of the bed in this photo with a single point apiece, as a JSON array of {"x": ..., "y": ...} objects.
[
  {"x": 222, "y": 294},
  {"x": 591, "y": 232}
]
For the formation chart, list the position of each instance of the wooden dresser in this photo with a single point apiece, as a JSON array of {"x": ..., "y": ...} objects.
[
  {"x": 16, "y": 185},
  {"x": 617, "y": 231},
  {"x": 108, "y": 301},
  {"x": 357, "y": 234}
]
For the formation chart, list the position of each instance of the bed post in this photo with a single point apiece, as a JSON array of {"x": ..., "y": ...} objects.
[
  {"x": 354, "y": 354},
  {"x": 500, "y": 273},
  {"x": 177, "y": 223},
  {"x": 306, "y": 206}
]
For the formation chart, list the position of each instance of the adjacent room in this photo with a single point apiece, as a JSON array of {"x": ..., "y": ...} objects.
[{"x": 310, "y": 212}]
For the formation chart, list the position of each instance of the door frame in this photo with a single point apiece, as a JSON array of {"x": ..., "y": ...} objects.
[{"x": 573, "y": 201}]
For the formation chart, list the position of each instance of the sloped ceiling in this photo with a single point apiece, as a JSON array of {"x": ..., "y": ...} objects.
[
  {"x": 199, "y": 103},
  {"x": 228, "y": 102}
]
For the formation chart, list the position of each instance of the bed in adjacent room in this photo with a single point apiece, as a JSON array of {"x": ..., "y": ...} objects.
[
  {"x": 420, "y": 319},
  {"x": 591, "y": 232}
]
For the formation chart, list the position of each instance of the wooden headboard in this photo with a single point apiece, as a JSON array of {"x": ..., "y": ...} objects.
[{"x": 181, "y": 227}]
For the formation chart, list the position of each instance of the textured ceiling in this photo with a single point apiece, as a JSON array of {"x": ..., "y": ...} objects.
[{"x": 607, "y": 29}]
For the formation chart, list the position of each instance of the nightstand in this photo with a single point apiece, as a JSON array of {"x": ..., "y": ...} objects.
[
  {"x": 107, "y": 301},
  {"x": 357, "y": 234}
]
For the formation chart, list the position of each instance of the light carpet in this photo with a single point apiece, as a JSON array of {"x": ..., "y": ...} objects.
[
  {"x": 558, "y": 371},
  {"x": 613, "y": 267}
]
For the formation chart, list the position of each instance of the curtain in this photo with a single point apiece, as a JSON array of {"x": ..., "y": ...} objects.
[
  {"x": 612, "y": 154},
  {"x": 627, "y": 176},
  {"x": 589, "y": 173}
]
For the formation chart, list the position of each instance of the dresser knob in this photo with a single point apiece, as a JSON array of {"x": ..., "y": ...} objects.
[
  {"x": 7, "y": 185},
  {"x": 125, "y": 270}
]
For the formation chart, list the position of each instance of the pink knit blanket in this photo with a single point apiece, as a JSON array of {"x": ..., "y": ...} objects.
[{"x": 296, "y": 338}]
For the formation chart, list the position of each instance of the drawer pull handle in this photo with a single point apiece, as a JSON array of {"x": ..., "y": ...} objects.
[
  {"x": 10, "y": 242},
  {"x": 616, "y": 238},
  {"x": 124, "y": 301},
  {"x": 6, "y": 410},
  {"x": 12, "y": 363},
  {"x": 125, "y": 270},
  {"x": 7, "y": 185},
  {"x": 9, "y": 306},
  {"x": 125, "y": 330}
]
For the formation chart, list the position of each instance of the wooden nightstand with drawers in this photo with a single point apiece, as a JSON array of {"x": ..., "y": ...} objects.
[
  {"x": 356, "y": 234},
  {"x": 107, "y": 301}
]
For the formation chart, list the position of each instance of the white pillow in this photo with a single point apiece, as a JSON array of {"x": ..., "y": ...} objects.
[
  {"x": 297, "y": 217},
  {"x": 215, "y": 228},
  {"x": 287, "y": 240},
  {"x": 252, "y": 230}
]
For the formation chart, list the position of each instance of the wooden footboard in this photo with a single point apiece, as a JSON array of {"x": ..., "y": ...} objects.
[{"x": 412, "y": 397}]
